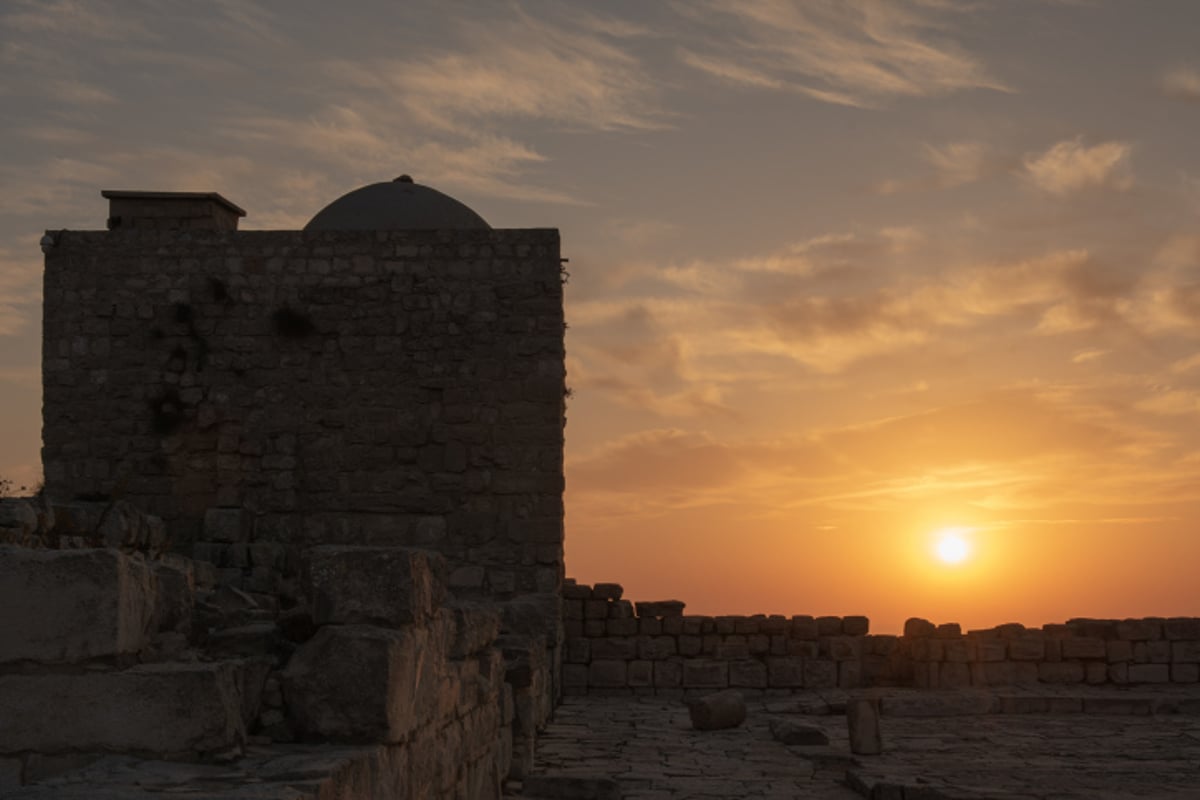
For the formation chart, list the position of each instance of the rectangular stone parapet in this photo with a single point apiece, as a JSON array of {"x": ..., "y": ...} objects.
[
  {"x": 66, "y": 606},
  {"x": 163, "y": 709}
]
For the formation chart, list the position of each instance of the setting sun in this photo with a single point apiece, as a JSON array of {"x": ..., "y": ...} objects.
[{"x": 952, "y": 547}]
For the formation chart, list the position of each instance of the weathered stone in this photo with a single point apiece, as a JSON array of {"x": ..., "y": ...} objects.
[
  {"x": 660, "y": 608},
  {"x": 718, "y": 711},
  {"x": 917, "y": 628},
  {"x": 791, "y": 732},
  {"x": 1149, "y": 673},
  {"x": 1027, "y": 647},
  {"x": 820, "y": 674},
  {"x": 372, "y": 585},
  {"x": 705, "y": 674},
  {"x": 227, "y": 525},
  {"x": 1140, "y": 629},
  {"x": 19, "y": 515},
  {"x": 855, "y": 626},
  {"x": 155, "y": 708},
  {"x": 608, "y": 673},
  {"x": 366, "y": 684},
  {"x": 1177, "y": 628},
  {"x": 747, "y": 674},
  {"x": 1084, "y": 647},
  {"x": 607, "y": 591},
  {"x": 862, "y": 719},
  {"x": 476, "y": 627},
  {"x": 1183, "y": 652},
  {"x": 62, "y": 606}
]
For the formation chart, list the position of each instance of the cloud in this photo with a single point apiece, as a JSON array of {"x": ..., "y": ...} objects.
[
  {"x": 1173, "y": 402},
  {"x": 855, "y": 52},
  {"x": 1071, "y": 166},
  {"x": 20, "y": 285},
  {"x": 1182, "y": 83}
]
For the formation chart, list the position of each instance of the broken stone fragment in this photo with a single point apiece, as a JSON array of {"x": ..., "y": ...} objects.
[{"x": 718, "y": 711}]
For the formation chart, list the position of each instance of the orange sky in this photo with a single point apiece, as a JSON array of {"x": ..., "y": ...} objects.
[{"x": 842, "y": 273}]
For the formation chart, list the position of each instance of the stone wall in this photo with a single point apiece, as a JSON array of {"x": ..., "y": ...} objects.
[
  {"x": 101, "y": 648},
  {"x": 400, "y": 388},
  {"x": 615, "y": 646}
]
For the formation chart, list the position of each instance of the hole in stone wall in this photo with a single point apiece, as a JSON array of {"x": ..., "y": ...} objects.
[
  {"x": 218, "y": 289},
  {"x": 166, "y": 412},
  {"x": 292, "y": 324}
]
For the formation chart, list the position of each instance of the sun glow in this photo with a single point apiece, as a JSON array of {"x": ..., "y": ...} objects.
[{"x": 952, "y": 546}]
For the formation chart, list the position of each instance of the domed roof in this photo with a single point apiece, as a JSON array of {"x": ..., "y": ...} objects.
[{"x": 397, "y": 205}]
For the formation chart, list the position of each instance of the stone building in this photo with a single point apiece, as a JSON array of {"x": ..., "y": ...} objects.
[
  {"x": 305, "y": 484},
  {"x": 392, "y": 374}
]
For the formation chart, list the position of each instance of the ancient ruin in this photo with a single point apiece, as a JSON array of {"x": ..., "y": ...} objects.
[{"x": 302, "y": 536}]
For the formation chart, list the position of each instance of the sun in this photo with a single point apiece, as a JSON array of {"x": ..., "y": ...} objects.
[{"x": 952, "y": 546}]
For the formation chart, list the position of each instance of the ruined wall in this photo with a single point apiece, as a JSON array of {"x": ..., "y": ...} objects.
[
  {"x": 615, "y": 646},
  {"x": 383, "y": 388}
]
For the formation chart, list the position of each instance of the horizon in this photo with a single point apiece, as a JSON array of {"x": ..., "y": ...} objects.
[{"x": 847, "y": 280}]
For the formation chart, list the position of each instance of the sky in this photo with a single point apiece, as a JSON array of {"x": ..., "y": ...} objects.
[{"x": 843, "y": 275}]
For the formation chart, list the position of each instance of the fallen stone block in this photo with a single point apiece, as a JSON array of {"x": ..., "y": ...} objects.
[
  {"x": 373, "y": 585},
  {"x": 165, "y": 709},
  {"x": 718, "y": 711},
  {"x": 862, "y": 718},
  {"x": 791, "y": 732},
  {"x": 65, "y": 606},
  {"x": 361, "y": 683}
]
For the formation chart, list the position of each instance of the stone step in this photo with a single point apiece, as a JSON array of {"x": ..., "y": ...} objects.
[{"x": 170, "y": 709}]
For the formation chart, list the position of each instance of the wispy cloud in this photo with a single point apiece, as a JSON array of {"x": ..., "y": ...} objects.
[
  {"x": 854, "y": 52},
  {"x": 1072, "y": 166},
  {"x": 1182, "y": 83}
]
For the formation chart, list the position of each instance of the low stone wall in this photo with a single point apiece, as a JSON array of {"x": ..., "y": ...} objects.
[
  {"x": 1092, "y": 651},
  {"x": 618, "y": 647}
]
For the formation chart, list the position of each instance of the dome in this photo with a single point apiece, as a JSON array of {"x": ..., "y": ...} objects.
[{"x": 394, "y": 206}]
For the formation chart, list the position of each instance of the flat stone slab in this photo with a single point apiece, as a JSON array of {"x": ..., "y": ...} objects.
[{"x": 167, "y": 709}]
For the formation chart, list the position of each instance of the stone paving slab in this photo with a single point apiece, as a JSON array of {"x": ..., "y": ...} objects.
[{"x": 1006, "y": 745}]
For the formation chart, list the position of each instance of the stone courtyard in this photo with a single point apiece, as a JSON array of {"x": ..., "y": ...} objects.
[{"x": 1016, "y": 744}]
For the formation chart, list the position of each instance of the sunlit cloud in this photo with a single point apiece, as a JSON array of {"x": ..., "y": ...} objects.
[
  {"x": 848, "y": 53},
  {"x": 1071, "y": 166},
  {"x": 1182, "y": 83}
]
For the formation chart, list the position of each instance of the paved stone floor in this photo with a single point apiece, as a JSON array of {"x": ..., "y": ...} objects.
[{"x": 1005, "y": 745}]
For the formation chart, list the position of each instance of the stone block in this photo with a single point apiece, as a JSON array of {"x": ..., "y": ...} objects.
[
  {"x": 1061, "y": 672},
  {"x": 699, "y": 673},
  {"x": 594, "y": 628},
  {"x": 855, "y": 626},
  {"x": 820, "y": 674},
  {"x": 1119, "y": 650},
  {"x": 595, "y": 609},
  {"x": 1137, "y": 630},
  {"x": 668, "y": 674},
  {"x": 718, "y": 711},
  {"x": 1095, "y": 672},
  {"x": 578, "y": 651},
  {"x": 849, "y": 674},
  {"x": 661, "y": 608},
  {"x": 862, "y": 719},
  {"x": 948, "y": 630},
  {"x": 607, "y": 591},
  {"x": 372, "y": 585},
  {"x": 649, "y": 626},
  {"x": 1149, "y": 673},
  {"x": 802, "y": 648},
  {"x": 917, "y": 628},
  {"x": 1185, "y": 652},
  {"x": 731, "y": 649},
  {"x": 640, "y": 673},
  {"x": 672, "y": 626},
  {"x": 785, "y": 672},
  {"x": 619, "y": 648},
  {"x": 362, "y": 683},
  {"x": 476, "y": 627},
  {"x": 621, "y": 627},
  {"x": 846, "y": 648},
  {"x": 1177, "y": 628},
  {"x": 608, "y": 673},
  {"x": 748, "y": 674},
  {"x": 804, "y": 627},
  {"x": 954, "y": 675},
  {"x": 829, "y": 626},
  {"x": 1027, "y": 647},
  {"x": 959, "y": 651},
  {"x": 1185, "y": 673},
  {"x": 569, "y": 787},
  {"x": 163, "y": 709},
  {"x": 227, "y": 525},
  {"x": 620, "y": 609},
  {"x": 656, "y": 648},
  {"x": 64, "y": 606},
  {"x": 690, "y": 645},
  {"x": 1084, "y": 647}
]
